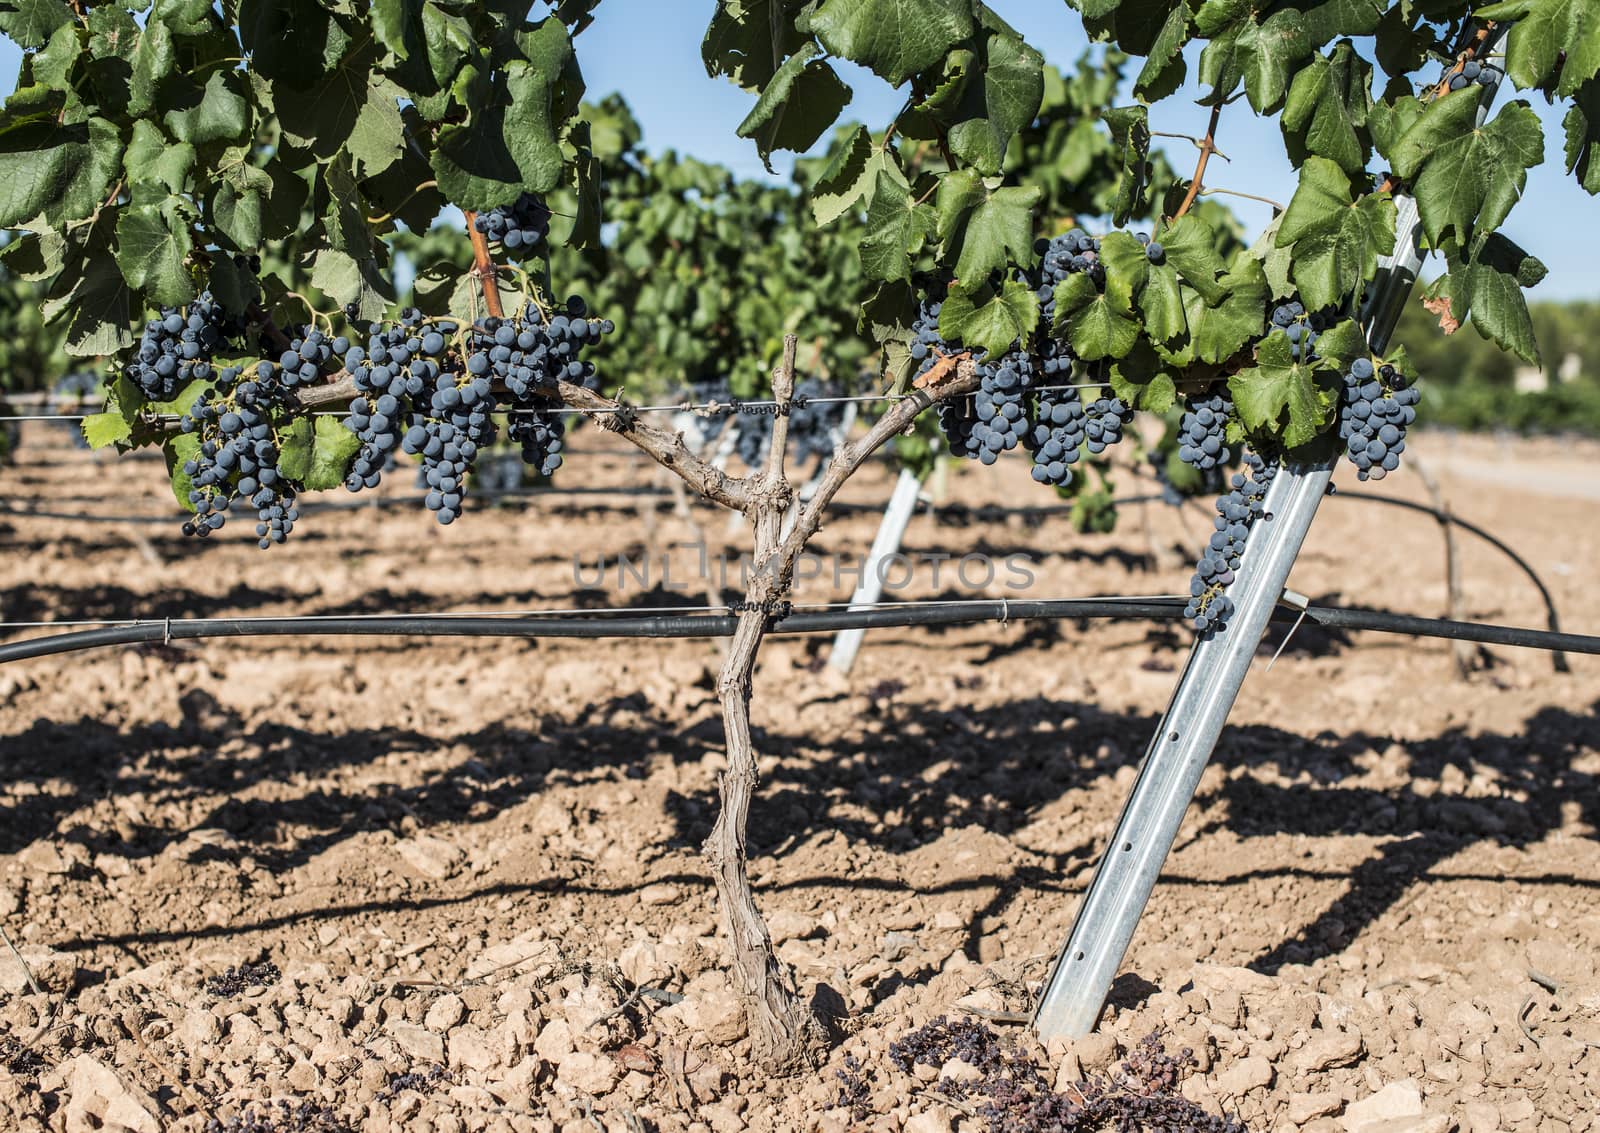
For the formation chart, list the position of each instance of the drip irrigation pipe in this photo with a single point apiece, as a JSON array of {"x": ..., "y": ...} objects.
[{"x": 710, "y": 626}]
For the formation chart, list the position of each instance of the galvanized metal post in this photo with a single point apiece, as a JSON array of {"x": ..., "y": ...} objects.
[{"x": 1076, "y": 993}]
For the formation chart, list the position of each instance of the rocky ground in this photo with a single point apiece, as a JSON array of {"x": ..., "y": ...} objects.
[{"x": 454, "y": 884}]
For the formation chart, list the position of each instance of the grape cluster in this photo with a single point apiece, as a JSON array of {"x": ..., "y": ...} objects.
[
  {"x": 238, "y": 455},
  {"x": 176, "y": 347},
  {"x": 1059, "y": 432},
  {"x": 391, "y": 375},
  {"x": 1374, "y": 413},
  {"x": 1209, "y": 606},
  {"x": 1203, "y": 432},
  {"x": 1303, "y": 328},
  {"x": 518, "y": 227},
  {"x": 1068, "y": 254},
  {"x": 452, "y": 420},
  {"x": 532, "y": 354},
  {"x": 1001, "y": 405},
  {"x": 309, "y": 352},
  {"x": 1473, "y": 71},
  {"x": 1106, "y": 418}
]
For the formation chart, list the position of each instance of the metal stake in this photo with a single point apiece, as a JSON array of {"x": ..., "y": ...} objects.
[{"x": 1076, "y": 993}]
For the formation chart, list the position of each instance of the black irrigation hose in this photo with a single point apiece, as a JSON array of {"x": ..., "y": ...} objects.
[
  {"x": 827, "y": 622},
  {"x": 1450, "y": 517}
]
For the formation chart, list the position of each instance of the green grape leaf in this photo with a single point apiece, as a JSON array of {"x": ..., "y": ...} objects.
[
  {"x": 1466, "y": 177},
  {"x": 1164, "y": 67},
  {"x": 1276, "y": 262},
  {"x": 1130, "y": 140},
  {"x": 1342, "y": 343},
  {"x": 291, "y": 42},
  {"x": 1144, "y": 380},
  {"x": 1224, "y": 329},
  {"x": 851, "y": 177},
  {"x": 53, "y": 66},
  {"x": 102, "y": 429},
  {"x": 35, "y": 256},
  {"x": 1327, "y": 109},
  {"x": 987, "y": 227},
  {"x": 1127, "y": 267},
  {"x": 178, "y": 449},
  {"x": 150, "y": 157},
  {"x": 233, "y": 285},
  {"x": 1486, "y": 283},
  {"x": 1132, "y": 279},
  {"x": 985, "y": 319},
  {"x": 803, "y": 99},
  {"x": 379, "y": 133},
  {"x": 1547, "y": 34},
  {"x": 99, "y": 304},
  {"x": 321, "y": 453},
  {"x": 239, "y": 205},
  {"x": 446, "y": 289},
  {"x": 887, "y": 316},
  {"x": 1582, "y": 125},
  {"x": 217, "y": 113},
  {"x": 1096, "y": 325},
  {"x": 322, "y": 116},
  {"x": 153, "y": 246},
  {"x": 894, "y": 39},
  {"x": 1191, "y": 247},
  {"x": 1326, "y": 21},
  {"x": 897, "y": 229},
  {"x": 32, "y": 22},
  {"x": 398, "y": 26},
  {"x": 153, "y": 60},
  {"x": 1268, "y": 53},
  {"x": 504, "y": 150},
  {"x": 348, "y": 280},
  {"x": 748, "y": 41},
  {"x": 1284, "y": 398},
  {"x": 63, "y": 171},
  {"x": 1336, "y": 237},
  {"x": 1003, "y": 98},
  {"x": 1388, "y": 121}
]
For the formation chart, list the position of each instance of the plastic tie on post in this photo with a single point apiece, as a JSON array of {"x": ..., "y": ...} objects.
[{"x": 1294, "y": 600}]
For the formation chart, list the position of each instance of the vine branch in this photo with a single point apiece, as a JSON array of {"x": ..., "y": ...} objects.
[{"x": 1208, "y": 146}]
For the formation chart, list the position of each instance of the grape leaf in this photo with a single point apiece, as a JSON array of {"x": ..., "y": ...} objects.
[
  {"x": 748, "y": 41},
  {"x": 179, "y": 449},
  {"x": 99, "y": 302},
  {"x": 63, "y": 171},
  {"x": 1132, "y": 278},
  {"x": 1267, "y": 55},
  {"x": 150, "y": 157},
  {"x": 238, "y": 207},
  {"x": 153, "y": 60},
  {"x": 1342, "y": 343},
  {"x": 1130, "y": 140},
  {"x": 350, "y": 280},
  {"x": 851, "y": 176},
  {"x": 894, "y": 39},
  {"x": 1003, "y": 97},
  {"x": 986, "y": 320},
  {"x": 1466, "y": 177},
  {"x": 379, "y": 133},
  {"x": 102, "y": 429},
  {"x": 1582, "y": 125},
  {"x": 317, "y": 456},
  {"x": 1486, "y": 281},
  {"x": 1225, "y": 328},
  {"x": 1336, "y": 237},
  {"x": 32, "y": 22},
  {"x": 1547, "y": 34},
  {"x": 802, "y": 100},
  {"x": 217, "y": 113},
  {"x": 1283, "y": 397},
  {"x": 1327, "y": 109},
  {"x": 398, "y": 26},
  {"x": 897, "y": 228},
  {"x": 1144, "y": 380},
  {"x": 153, "y": 244},
  {"x": 984, "y": 225},
  {"x": 1095, "y": 324},
  {"x": 1191, "y": 247}
]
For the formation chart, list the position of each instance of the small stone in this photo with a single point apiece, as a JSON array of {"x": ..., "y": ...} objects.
[
  {"x": 419, "y": 1042},
  {"x": 1330, "y": 1049},
  {"x": 1096, "y": 1051},
  {"x": 1308, "y": 1107},
  {"x": 934, "y": 1120},
  {"x": 1402, "y": 1099},
  {"x": 45, "y": 858},
  {"x": 98, "y": 1099},
  {"x": 592, "y": 1073},
  {"x": 474, "y": 1048},
  {"x": 786, "y": 925},
  {"x": 1245, "y": 1075},
  {"x": 555, "y": 1041},
  {"x": 660, "y": 893},
  {"x": 431, "y": 857},
  {"x": 959, "y": 1070},
  {"x": 513, "y": 954},
  {"x": 635, "y": 1057},
  {"x": 446, "y": 1012},
  {"x": 897, "y": 946},
  {"x": 722, "y": 1118},
  {"x": 302, "y": 1076},
  {"x": 54, "y": 971},
  {"x": 947, "y": 919},
  {"x": 1482, "y": 1117}
]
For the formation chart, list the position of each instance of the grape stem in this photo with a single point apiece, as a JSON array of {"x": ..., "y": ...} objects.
[
  {"x": 1208, "y": 146},
  {"x": 483, "y": 267}
]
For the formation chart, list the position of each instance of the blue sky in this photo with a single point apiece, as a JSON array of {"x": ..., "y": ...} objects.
[{"x": 650, "y": 51}]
